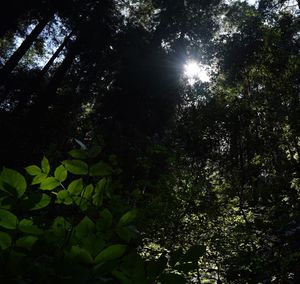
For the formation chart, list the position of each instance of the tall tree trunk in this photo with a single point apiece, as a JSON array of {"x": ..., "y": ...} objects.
[
  {"x": 55, "y": 55},
  {"x": 49, "y": 95},
  {"x": 38, "y": 115},
  {"x": 13, "y": 61}
]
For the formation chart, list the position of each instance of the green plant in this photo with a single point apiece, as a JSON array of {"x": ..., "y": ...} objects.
[{"x": 66, "y": 225}]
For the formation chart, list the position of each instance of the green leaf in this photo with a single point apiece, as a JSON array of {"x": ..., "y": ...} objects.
[
  {"x": 84, "y": 228},
  {"x": 49, "y": 183},
  {"x": 64, "y": 197},
  {"x": 33, "y": 170},
  {"x": 128, "y": 217},
  {"x": 5, "y": 240},
  {"x": 61, "y": 173},
  {"x": 76, "y": 187},
  {"x": 42, "y": 203},
  {"x": 194, "y": 253},
  {"x": 81, "y": 255},
  {"x": 110, "y": 253},
  {"x": 45, "y": 165},
  {"x": 100, "y": 169},
  {"x": 99, "y": 191},
  {"x": 7, "y": 219},
  {"x": 61, "y": 226},
  {"x": 106, "y": 218},
  {"x": 76, "y": 167},
  {"x": 26, "y": 242},
  {"x": 172, "y": 278},
  {"x": 11, "y": 180},
  {"x": 38, "y": 179},
  {"x": 78, "y": 154},
  {"x": 27, "y": 226},
  {"x": 88, "y": 192},
  {"x": 93, "y": 243}
]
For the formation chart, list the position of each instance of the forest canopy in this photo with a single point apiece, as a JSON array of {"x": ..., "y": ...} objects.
[{"x": 150, "y": 141}]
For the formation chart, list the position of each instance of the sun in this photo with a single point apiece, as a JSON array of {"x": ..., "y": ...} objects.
[{"x": 194, "y": 72}]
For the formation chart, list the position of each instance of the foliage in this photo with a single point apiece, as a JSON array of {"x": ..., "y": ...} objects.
[
  {"x": 213, "y": 167},
  {"x": 60, "y": 228}
]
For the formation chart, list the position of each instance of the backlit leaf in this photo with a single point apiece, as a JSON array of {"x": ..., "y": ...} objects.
[
  {"x": 33, "y": 170},
  {"x": 49, "y": 183},
  {"x": 76, "y": 167},
  {"x": 11, "y": 181},
  {"x": 75, "y": 187},
  {"x": 61, "y": 173},
  {"x": 45, "y": 165},
  {"x": 110, "y": 253}
]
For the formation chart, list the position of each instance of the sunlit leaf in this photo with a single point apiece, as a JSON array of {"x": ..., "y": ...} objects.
[
  {"x": 45, "y": 165},
  {"x": 38, "y": 179},
  {"x": 33, "y": 170},
  {"x": 75, "y": 187},
  {"x": 49, "y": 183},
  {"x": 12, "y": 182},
  {"x": 76, "y": 167},
  {"x": 60, "y": 173},
  {"x": 110, "y": 253}
]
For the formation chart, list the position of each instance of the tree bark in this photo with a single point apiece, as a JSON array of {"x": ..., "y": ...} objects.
[
  {"x": 49, "y": 95},
  {"x": 55, "y": 55},
  {"x": 13, "y": 61}
]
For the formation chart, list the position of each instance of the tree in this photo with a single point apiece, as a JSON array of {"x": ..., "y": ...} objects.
[{"x": 212, "y": 166}]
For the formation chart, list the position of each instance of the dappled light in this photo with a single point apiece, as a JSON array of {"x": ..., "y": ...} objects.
[{"x": 150, "y": 142}]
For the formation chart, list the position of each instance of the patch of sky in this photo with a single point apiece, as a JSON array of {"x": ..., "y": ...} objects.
[{"x": 45, "y": 45}]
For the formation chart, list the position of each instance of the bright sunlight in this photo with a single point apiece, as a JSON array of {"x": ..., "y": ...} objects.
[{"x": 195, "y": 72}]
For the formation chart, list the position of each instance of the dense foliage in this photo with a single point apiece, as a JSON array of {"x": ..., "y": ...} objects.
[{"x": 194, "y": 181}]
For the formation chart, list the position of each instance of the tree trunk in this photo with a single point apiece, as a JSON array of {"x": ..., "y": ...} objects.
[
  {"x": 49, "y": 95},
  {"x": 13, "y": 61},
  {"x": 55, "y": 55}
]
